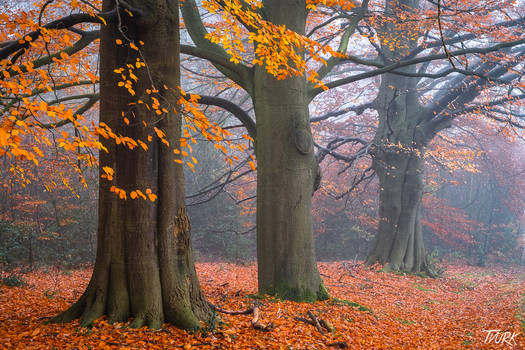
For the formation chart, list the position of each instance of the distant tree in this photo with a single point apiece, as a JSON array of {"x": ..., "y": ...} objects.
[
  {"x": 409, "y": 120},
  {"x": 433, "y": 70}
]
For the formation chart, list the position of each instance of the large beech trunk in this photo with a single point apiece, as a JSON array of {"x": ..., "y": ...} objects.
[
  {"x": 286, "y": 171},
  {"x": 399, "y": 240},
  {"x": 398, "y": 158},
  {"x": 397, "y": 152},
  {"x": 144, "y": 267}
]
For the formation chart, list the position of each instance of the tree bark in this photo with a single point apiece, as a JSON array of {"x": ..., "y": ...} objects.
[
  {"x": 398, "y": 159},
  {"x": 286, "y": 168},
  {"x": 144, "y": 266},
  {"x": 397, "y": 152},
  {"x": 286, "y": 172},
  {"x": 399, "y": 239}
]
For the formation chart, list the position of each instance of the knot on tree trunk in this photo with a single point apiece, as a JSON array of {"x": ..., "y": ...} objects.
[{"x": 303, "y": 141}]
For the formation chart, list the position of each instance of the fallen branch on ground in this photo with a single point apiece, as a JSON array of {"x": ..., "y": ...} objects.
[
  {"x": 258, "y": 325},
  {"x": 320, "y": 324},
  {"x": 315, "y": 321},
  {"x": 233, "y": 312},
  {"x": 348, "y": 269}
]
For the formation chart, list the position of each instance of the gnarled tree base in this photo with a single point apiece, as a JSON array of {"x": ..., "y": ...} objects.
[
  {"x": 108, "y": 295},
  {"x": 426, "y": 268},
  {"x": 399, "y": 240}
]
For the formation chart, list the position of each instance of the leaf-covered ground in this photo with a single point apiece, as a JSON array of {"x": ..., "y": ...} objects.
[{"x": 388, "y": 311}]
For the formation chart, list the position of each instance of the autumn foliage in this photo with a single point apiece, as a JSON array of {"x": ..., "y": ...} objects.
[
  {"x": 368, "y": 309},
  {"x": 50, "y": 140}
]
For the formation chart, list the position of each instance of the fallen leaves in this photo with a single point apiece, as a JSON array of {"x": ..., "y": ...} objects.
[{"x": 371, "y": 310}]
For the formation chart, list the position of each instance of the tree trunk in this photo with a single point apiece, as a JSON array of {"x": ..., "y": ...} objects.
[
  {"x": 399, "y": 240},
  {"x": 286, "y": 171},
  {"x": 144, "y": 266},
  {"x": 397, "y": 152},
  {"x": 398, "y": 159}
]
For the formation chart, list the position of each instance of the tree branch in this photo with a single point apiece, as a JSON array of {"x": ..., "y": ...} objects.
[
  {"x": 386, "y": 69},
  {"x": 83, "y": 109},
  {"x": 62, "y": 23},
  {"x": 343, "y": 45},
  {"x": 239, "y": 73},
  {"x": 84, "y": 41},
  {"x": 234, "y": 109}
]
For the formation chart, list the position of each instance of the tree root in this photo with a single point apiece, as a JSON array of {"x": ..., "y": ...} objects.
[{"x": 426, "y": 267}]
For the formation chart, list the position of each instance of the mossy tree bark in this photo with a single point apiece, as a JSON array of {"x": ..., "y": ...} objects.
[
  {"x": 286, "y": 171},
  {"x": 144, "y": 266}
]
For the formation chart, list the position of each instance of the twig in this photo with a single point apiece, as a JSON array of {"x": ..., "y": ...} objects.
[
  {"x": 327, "y": 325},
  {"x": 441, "y": 34},
  {"x": 348, "y": 269},
  {"x": 305, "y": 320},
  {"x": 315, "y": 321}
]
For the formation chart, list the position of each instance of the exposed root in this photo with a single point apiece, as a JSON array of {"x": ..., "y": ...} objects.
[
  {"x": 426, "y": 267},
  {"x": 137, "y": 322}
]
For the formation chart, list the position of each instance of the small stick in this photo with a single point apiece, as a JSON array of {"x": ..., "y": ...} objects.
[
  {"x": 258, "y": 325},
  {"x": 326, "y": 325},
  {"x": 305, "y": 320},
  {"x": 315, "y": 321}
]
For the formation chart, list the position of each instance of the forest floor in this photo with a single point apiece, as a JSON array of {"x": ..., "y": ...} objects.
[{"x": 387, "y": 311}]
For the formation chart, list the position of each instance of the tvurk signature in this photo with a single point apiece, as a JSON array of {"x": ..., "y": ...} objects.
[{"x": 496, "y": 336}]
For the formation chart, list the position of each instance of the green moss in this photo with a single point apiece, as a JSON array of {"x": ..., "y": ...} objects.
[
  {"x": 353, "y": 304},
  {"x": 299, "y": 294},
  {"x": 417, "y": 286},
  {"x": 405, "y": 322},
  {"x": 322, "y": 293},
  {"x": 255, "y": 296}
]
